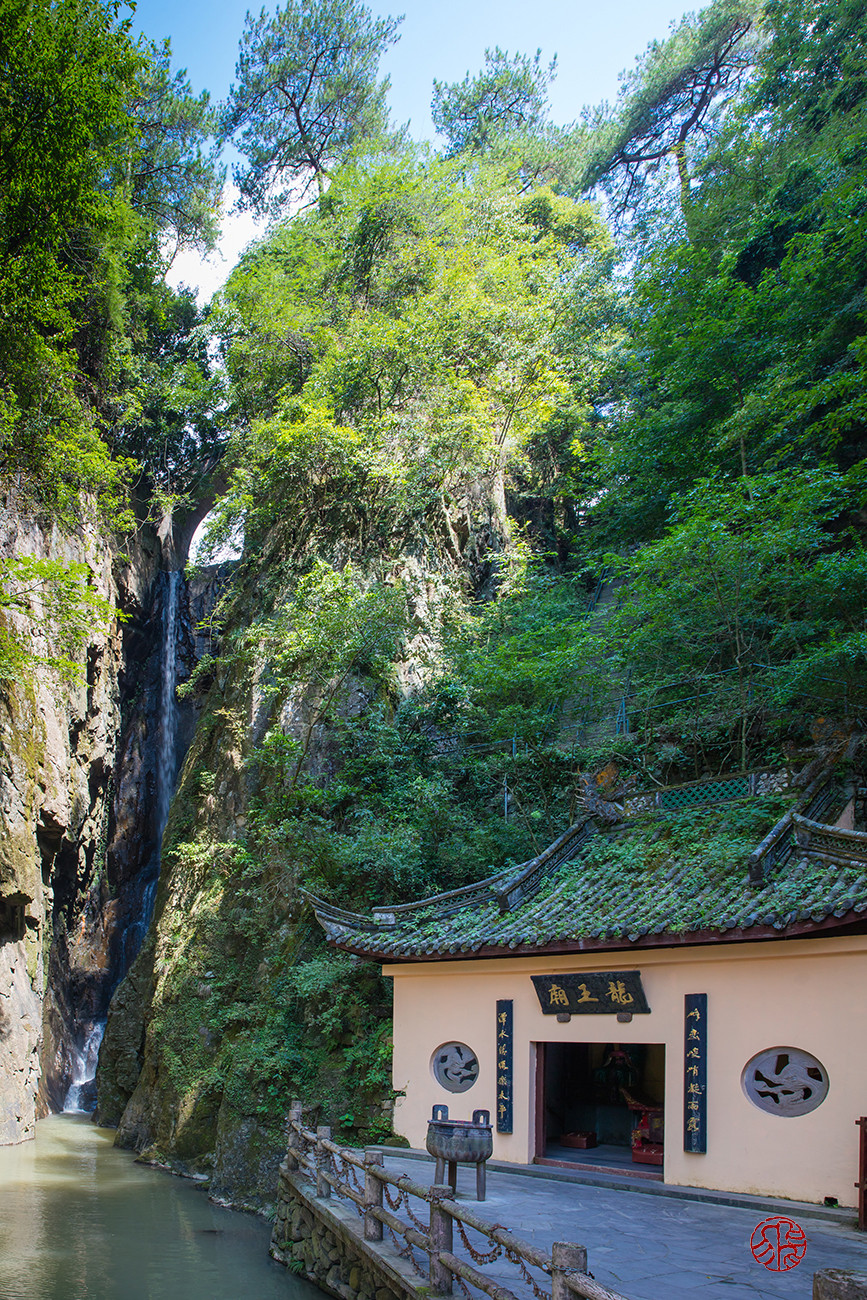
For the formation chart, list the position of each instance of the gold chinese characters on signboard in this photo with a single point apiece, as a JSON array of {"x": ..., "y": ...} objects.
[{"x": 592, "y": 992}]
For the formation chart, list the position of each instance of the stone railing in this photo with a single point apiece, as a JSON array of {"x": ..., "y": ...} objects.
[
  {"x": 776, "y": 848},
  {"x": 349, "y": 1257},
  {"x": 823, "y": 841}
]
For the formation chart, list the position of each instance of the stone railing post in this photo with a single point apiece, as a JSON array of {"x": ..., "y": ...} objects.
[
  {"x": 372, "y": 1194},
  {"x": 565, "y": 1258},
  {"x": 441, "y": 1238},
  {"x": 293, "y": 1138},
  {"x": 323, "y": 1187}
]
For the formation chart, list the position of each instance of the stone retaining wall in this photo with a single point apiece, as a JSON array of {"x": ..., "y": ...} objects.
[{"x": 322, "y": 1239}]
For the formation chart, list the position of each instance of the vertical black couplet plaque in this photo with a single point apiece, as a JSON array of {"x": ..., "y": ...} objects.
[
  {"x": 504, "y": 1065},
  {"x": 695, "y": 1073}
]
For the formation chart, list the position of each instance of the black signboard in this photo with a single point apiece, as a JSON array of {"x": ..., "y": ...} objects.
[
  {"x": 504, "y": 1065},
  {"x": 695, "y": 1073},
  {"x": 592, "y": 993}
]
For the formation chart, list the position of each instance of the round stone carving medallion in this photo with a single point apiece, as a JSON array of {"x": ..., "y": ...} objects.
[
  {"x": 455, "y": 1066},
  {"x": 785, "y": 1081}
]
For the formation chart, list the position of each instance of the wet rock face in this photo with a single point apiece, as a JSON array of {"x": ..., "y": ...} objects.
[
  {"x": 78, "y": 841},
  {"x": 102, "y": 936},
  {"x": 122, "y": 1053},
  {"x": 57, "y": 744},
  {"x": 132, "y": 860},
  {"x": 20, "y": 1016}
]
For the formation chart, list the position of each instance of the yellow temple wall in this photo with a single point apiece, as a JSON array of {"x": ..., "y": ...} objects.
[{"x": 809, "y": 994}]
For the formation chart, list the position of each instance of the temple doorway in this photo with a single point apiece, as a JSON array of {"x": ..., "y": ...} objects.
[{"x": 601, "y": 1105}]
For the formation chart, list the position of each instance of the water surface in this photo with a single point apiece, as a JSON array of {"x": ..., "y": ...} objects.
[{"x": 80, "y": 1220}]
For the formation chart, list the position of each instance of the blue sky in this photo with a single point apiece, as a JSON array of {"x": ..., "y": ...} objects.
[{"x": 593, "y": 40}]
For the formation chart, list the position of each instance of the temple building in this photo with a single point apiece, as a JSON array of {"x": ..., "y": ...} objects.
[{"x": 616, "y": 1007}]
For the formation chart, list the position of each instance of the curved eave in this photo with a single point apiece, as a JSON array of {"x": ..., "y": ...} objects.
[{"x": 852, "y": 922}]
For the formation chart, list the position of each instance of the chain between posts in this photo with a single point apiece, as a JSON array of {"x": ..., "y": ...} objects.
[
  {"x": 480, "y": 1256},
  {"x": 538, "y": 1292},
  {"x": 337, "y": 1170},
  {"x": 406, "y": 1252}
]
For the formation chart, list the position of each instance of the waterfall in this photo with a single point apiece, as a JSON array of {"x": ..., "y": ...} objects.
[
  {"x": 78, "y": 1096},
  {"x": 166, "y": 763},
  {"x": 86, "y": 1034},
  {"x": 167, "y": 751}
]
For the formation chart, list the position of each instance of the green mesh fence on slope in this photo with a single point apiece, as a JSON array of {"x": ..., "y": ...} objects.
[{"x": 688, "y": 796}]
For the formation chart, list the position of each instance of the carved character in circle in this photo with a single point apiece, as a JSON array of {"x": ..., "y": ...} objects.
[
  {"x": 790, "y": 1084},
  {"x": 785, "y": 1081},
  {"x": 455, "y": 1066}
]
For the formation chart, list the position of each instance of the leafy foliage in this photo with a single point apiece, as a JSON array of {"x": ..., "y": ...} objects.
[
  {"x": 507, "y": 98},
  {"x": 670, "y": 100},
  {"x": 306, "y": 93},
  {"x": 101, "y": 162},
  {"x": 423, "y": 320},
  {"x": 52, "y": 598}
]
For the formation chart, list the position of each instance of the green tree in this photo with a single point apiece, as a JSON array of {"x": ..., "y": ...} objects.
[
  {"x": 67, "y": 74},
  {"x": 509, "y": 97},
  {"x": 329, "y": 630},
  {"x": 748, "y": 609},
  {"x": 669, "y": 101},
  {"x": 52, "y": 603},
  {"x": 423, "y": 322},
  {"x": 170, "y": 179},
  {"x": 306, "y": 94},
  {"x": 101, "y": 165},
  {"x": 816, "y": 65}
]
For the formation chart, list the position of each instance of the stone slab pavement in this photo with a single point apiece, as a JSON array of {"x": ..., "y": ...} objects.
[{"x": 645, "y": 1246}]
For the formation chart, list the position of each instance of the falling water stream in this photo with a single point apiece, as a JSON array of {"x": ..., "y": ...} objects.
[
  {"x": 80, "y": 1093},
  {"x": 81, "y": 1220},
  {"x": 167, "y": 758},
  {"x": 84, "y": 1071}
]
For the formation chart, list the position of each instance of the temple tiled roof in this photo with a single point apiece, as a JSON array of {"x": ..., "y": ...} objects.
[{"x": 615, "y": 887}]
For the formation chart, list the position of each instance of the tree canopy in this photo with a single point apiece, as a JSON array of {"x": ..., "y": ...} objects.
[
  {"x": 509, "y": 97},
  {"x": 101, "y": 162},
  {"x": 306, "y": 92},
  {"x": 671, "y": 99}
]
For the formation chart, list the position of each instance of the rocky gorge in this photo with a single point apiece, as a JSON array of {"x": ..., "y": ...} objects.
[{"x": 88, "y": 764}]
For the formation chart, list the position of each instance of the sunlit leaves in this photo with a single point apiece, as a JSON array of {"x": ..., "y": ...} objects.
[
  {"x": 48, "y": 611},
  {"x": 427, "y": 318},
  {"x": 306, "y": 92}
]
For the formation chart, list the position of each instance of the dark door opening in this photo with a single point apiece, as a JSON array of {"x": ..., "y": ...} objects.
[{"x": 600, "y": 1105}]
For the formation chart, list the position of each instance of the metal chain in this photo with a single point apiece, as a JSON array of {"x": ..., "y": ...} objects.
[
  {"x": 341, "y": 1173},
  {"x": 462, "y": 1284},
  {"x": 348, "y": 1172},
  {"x": 515, "y": 1258},
  {"x": 422, "y": 1227},
  {"x": 480, "y": 1256},
  {"x": 406, "y": 1251},
  {"x": 392, "y": 1202}
]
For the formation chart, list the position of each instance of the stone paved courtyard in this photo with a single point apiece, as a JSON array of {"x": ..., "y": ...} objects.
[{"x": 647, "y": 1246}]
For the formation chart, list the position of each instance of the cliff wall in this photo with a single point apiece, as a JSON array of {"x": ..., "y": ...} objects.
[
  {"x": 58, "y": 744},
  {"x": 79, "y": 841},
  {"x": 233, "y": 1004}
]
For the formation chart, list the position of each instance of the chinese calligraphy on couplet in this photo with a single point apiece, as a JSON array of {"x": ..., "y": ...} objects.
[
  {"x": 695, "y": 1073},
  {"x": 504, "y": 1065}
]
